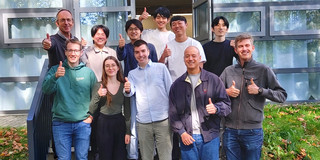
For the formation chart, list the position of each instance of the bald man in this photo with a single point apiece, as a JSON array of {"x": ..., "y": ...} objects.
[{"x": 197, "y": 100}]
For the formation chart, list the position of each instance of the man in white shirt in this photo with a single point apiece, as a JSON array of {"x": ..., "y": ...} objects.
[
  {"x": 173, "y": 54},
  {"x": 160, "y": 36}
]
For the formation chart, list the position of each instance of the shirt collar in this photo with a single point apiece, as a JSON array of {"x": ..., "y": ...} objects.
[
  {"x": 61, "y": 35},
  {"x": 97, "y": 50},
  {"x": 148, "y": 65}
]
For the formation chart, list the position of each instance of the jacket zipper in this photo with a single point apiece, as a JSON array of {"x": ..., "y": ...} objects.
[{"x": 241, "y": 92}]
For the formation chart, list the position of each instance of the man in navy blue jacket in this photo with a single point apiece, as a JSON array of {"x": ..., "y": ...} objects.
[{"x": 197, "y": 101}]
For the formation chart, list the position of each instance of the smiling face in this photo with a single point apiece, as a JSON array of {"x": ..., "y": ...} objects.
[
  {"x": 192, "y": 59},
  {"x": 100, "y": 38},
  {"x": 134, "y": 32},
  {"x": 64, "y": 22},
  {"x": 220, "y": 30},
  {"x": 73, "y": 54},
  {"x": 141, "y": 54},
  {"x": 161, "y": 21},
  {"x": 244, "y": 49},
  {"x": 111, "y": 68},
  {"x": 179, "y": 27}
]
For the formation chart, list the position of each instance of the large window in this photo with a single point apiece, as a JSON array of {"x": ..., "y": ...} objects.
[
  {"x": 287, "y": 39},
  {"x": 25, "y": 24}
]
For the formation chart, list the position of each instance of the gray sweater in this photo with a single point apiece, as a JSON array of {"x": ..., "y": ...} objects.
[{"x": 247, "y": 109}]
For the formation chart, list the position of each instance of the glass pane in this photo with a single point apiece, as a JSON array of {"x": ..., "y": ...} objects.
[
  {"x": 21, "y": 62},
  {"x": 102, "y": 3},
  {"x": 201, "y": 17},
  {"x": 16, "y": 96},
  {"x": 31, "y": 27},
  {"x": 288, "y": 53},
  {"x": 242, "y": 21},
  {"x": 115, "y": 21},
  {"x": 301, "y": 86},
  {"x": 239, "y": 1},
  {"x": 287, "y": 20},
  {"x": 31, "y": 4}
]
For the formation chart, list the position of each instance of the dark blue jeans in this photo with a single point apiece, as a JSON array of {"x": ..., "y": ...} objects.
[{"x": 243, "y": 144}]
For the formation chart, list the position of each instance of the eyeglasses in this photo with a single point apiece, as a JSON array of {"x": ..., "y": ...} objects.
[
  {"x": 73, "y": 51},
  {"x": 110, "y": 66},
  {"x": 133, "y": 29}
]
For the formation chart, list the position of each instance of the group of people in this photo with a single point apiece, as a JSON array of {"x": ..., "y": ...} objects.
[{"x": 170, "y": 98}]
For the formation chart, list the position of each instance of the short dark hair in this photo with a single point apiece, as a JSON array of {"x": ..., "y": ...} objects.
[
  {"x": 216, "y": 20},
  {"x": 178, "y": 18},
  {"x": 140, "y": 42},
  {"x": 162, "y": 11},
  {"x": 73, "y": 41},
  {"x": 95, "y": 29},
  {"x": 135, "y": 22}
]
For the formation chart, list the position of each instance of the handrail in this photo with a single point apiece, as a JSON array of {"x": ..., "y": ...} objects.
[{"x": 39, "y": 121}]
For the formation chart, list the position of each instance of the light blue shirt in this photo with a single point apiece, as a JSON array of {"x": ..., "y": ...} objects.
[{"x": 151, "y": 86}]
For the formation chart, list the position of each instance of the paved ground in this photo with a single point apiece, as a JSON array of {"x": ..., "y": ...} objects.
[{"x": 13, "y": 120}]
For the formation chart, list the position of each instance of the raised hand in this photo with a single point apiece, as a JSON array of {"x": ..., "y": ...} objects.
[
  {"x": 211, "y": 109},
  {"x": 186, "y": 139},
  {"x": 83, "y": 42},
  {"x": 253, "y": 88},
  {"x": 144, "y": 15},
  {"x": 46, "y": 43},
  {"x": 127, "y": 85},
  {"x": 60, "y": 71},
  {"x": 233, "y": 44},
  {"x": 166, "y": 53},
  {"x": 102, "y": 91},
  {"x": 232, "y": 91},
  {"x": 122, "y": 42}
]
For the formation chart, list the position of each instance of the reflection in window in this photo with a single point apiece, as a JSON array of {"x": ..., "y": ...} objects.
[
  {"x": 301, "y": 86},
  {"x": 16, "y": 96},
  {"x": 102, "y": 3},
  {"x": 288, "y": 53},
  {"x": 242, "y": 1},
  {"x": 287, "y": 20},
  {"x": 242, "y": 21},
  {"x": 31, "y": 4},
  {"x": 31, "y": 27},
  {"x": 115, "y": 21},
  {"x": 21, "y": 62},
  {"x": 201, "y": 19}
]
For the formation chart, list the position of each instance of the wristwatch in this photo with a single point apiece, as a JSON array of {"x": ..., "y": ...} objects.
[{"x": 260, "y": 91}]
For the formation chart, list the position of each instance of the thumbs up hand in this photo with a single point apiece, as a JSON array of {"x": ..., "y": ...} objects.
[
  {"x": 232, "y": 91},
  {"x": 144, "y": 15},
  {"x": 102, "y": 91},
  {"x": 122, "y": 42},
  {"x": 253, "y": 88},
  {"x": 127, "y": 85},
  {"x": 83, "y": 42},
  {"x": 60, "y": 71},
  {"x": 211, "y": 109},
  {"x": 46, "y": 43},
  {"x": 166, "y": 53}
]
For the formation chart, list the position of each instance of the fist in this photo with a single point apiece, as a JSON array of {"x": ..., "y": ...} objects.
[
  {"x": 60, "y": 71},
  {"x": 127, "y": 86},
  {"x": 122, "y": 42},
  {"x": 46, "y": 43}
]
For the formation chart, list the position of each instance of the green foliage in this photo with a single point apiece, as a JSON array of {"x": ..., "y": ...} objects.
[
  {"x": 291, "y": 132},
  {"x": 13, "y": 143}
]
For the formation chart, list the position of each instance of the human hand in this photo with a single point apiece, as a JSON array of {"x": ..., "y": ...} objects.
[
  {"x": 102, "y": 91},
  {"x": 144, "y": 15},
  {"x": 122, "y": 42},
  {"x": 253, "y": 88},
  {"x": 60, "y": 71},
  {"x": 186, "y": 139},
  {"x": 233, "y": 91},
  {"x": 83, "y": 42},
  {"x": 88, "y": 119},
  {"x": 46, "y": 43},
  {"x": 127, "y": 85},
  {"x": 233, "y": 44},
  {"x": 211, "y": 109},
  {"x": 127, "y": 139}
]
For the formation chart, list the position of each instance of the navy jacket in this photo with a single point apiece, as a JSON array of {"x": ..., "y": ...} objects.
[{"x": 180, "y": 110}]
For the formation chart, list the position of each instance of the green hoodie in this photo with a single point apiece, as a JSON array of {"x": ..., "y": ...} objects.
[{"x": 72, "y": 92}]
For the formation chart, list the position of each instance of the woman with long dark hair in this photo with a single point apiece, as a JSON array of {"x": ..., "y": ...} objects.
[{"x": 113, "y": 130}]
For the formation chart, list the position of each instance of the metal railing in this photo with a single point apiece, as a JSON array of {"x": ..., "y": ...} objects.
[{"x": 39, "y": 121}]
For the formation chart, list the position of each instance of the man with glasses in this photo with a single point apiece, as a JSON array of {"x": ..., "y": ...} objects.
[
  {"x": 56, "y": 44},
  {"x": 72, "y": 82}
]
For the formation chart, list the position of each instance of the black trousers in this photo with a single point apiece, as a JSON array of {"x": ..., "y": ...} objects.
[{"x": 111, "y": 130}]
